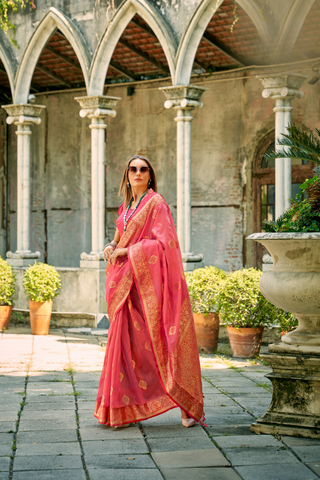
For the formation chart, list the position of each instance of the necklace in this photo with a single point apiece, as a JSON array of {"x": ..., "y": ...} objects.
[{"x": 125, "y": 219}]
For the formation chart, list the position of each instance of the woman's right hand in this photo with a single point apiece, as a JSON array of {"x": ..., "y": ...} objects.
[{"x": 107, "y": 252}]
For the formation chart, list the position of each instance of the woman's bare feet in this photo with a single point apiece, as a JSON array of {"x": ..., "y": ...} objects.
[{"x": 186, "y": 420}]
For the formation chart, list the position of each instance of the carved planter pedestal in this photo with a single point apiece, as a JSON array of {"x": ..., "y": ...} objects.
[{"x": 293, "y": 283}]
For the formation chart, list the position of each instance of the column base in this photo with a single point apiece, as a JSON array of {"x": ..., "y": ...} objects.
[
  {"x": 295, "y": 405},
  {"x": 93, "y": 260},
  {"x": 191, "y": 261},
  {"x": 22, "y": 259}
]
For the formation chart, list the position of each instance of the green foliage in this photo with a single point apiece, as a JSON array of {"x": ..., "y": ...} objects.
[
  {"x": 5, "y": 6},
  {"x": 287, "y": 322},
  {"x": 241, "y": 304},
  {"x": 299, "y": 144},
  {"x": 7, "y": 283},
  {"x": 303, "y": 216},
  {"x": 41, "y": 282},
  {"x": 203, "y": 284}
]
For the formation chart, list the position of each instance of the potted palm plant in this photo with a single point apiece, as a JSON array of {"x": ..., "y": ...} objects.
[
  {"x": 293, "y": 241},
  {"x": 203, "y": 285},
  {"x": 245, "y": 311},
  {"x": 41, "y": 283},
  {"x": 7, "y": 288}
]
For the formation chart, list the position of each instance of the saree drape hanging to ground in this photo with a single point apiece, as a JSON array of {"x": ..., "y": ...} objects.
[{"x": 152, "y": 362}]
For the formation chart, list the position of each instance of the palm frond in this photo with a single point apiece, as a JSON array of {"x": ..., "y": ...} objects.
[{"x": 300, "y": 145}]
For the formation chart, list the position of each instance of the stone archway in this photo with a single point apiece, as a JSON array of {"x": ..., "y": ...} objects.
[{"x": 54, "y": 19}]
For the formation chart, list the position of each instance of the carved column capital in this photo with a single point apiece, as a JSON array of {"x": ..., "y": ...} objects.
[
  {"x": 282, "y": 85},
  {"x": 183, "y": 96},
  {"x": 98, "y": 106},
  {"x": 23, "y": 113}
]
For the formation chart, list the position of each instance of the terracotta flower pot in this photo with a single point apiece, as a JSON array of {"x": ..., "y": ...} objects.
[
  {"x": 245, "y": 342},
  {"x": 5, "y": 314},
  {"x": 207, "y": 331},
  {"x": 40, "y": 315}
]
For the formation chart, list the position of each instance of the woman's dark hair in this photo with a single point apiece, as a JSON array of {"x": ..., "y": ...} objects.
[{"x": 124, "y": 181}]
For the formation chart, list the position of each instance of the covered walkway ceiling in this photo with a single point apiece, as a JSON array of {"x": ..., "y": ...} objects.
[{"x": 139, "y": 55}]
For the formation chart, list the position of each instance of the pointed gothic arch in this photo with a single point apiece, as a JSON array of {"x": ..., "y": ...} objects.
[
  {"x": 291, "y": 27},
  {"x": 53, "y": 20},
  {"x": 8, "y": 62},
  {"x": 113, "y": 32},
  {"x": 196, "y": 28}
]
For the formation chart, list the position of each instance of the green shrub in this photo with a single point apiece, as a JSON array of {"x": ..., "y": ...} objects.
[
  {"x": 241, "y": 304},
  {"x": 7, "y": 283},
  {"x": 41, "y": 282},
  {"x": 203, "y": 285}
]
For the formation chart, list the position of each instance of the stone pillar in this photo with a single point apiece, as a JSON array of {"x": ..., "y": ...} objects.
[
  {"x": 97, "y": 109},
  {"x": 282, "y": 88},
  {"x": 23, "y": 115},
  {"x": 184, "y": 98}
]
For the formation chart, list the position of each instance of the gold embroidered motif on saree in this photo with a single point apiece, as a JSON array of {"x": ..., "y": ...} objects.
[
  {"x": 125, "y": 399},
  {"x": 143, "y": 384}
]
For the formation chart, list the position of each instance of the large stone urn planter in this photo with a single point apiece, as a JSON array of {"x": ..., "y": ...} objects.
[{"x": 293, "y": 284}]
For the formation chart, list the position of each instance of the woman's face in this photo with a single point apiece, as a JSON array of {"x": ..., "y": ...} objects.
[{"x": 138, "y": 178}]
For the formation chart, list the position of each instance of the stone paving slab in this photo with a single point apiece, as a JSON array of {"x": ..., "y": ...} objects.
[
  {"x": 119, "y": 461},
  {"x": 47, "y": 436},
  {"x": 247, "y": 441},
  {"x": 52, "y": 406},
  {"x": 315, "y": 467},
  {"x": 200, "y": 474},
  {"x": 47, "y": 414},
  {"x": 5, "y": 450},
  {"x": 65, "y": 448},
  {"x": 231, "y": 419},
  {"x": 300, "y": 441},
  {"x": 6, "y": 438},
  {"x": 291, "y": 471},
  {"x": 26, "y": 426},
  {"x": 180, "y": 444},
  {"x": 224, "y": 430},
  {"x": 210, "y": 457},
  {"x": 9, "y": 416},
  {"x": 48, "y": 462},
  {"x": 171, "y": 431},
  {"x": 50, "y": 475},
  {"x": 50, "y": 399},
  {"x": 121, "y": 474},
  {"x": 308, "y": 453},
  {"x": 4, "y": 464},
  {"x": 119, "y": 447},
  {"x": 5, "y": 427},
  {"x": 100, "y": 432},
  {"x": 259, "y": 456},
  {"x": 4, "y": 475}
]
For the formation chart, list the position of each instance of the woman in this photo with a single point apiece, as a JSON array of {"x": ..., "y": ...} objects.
[{"x": 151, "y": 363}]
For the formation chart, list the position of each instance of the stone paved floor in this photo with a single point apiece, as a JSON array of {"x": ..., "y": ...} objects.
[{"x": 47, "y": 429}]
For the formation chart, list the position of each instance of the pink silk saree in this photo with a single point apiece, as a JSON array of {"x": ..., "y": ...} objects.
[{"x": 151, "y": 363}]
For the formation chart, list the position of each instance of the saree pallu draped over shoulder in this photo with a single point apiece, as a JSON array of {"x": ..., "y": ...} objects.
[{"x": 151, "y": 363}]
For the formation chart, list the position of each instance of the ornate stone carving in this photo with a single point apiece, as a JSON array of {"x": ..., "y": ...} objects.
[
  {"x": 23, "y": 113},
  {"x": 91, "y": 256},
  {"x": 183, "y": 96},
  {"x": 97, "y": 106},
  {"x": 282, "y": 85},
  {"x": 23, "y": 255}
]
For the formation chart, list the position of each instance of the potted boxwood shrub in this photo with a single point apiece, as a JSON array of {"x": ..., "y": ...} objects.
[
  {"x": 203, "y": 284},
  {"x": 41, "y": 283},
  {"x": 245, "y": 311},
  {"x": 7, "y": 288}
]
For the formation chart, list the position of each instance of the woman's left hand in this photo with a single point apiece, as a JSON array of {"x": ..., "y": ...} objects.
[{"x": 118, "y": 252}]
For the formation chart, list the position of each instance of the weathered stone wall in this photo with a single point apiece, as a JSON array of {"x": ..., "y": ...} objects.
[{"x": 225, "y": 136}]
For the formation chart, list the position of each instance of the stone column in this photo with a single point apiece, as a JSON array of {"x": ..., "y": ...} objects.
[
  {"x": 282, "y": 88},
  {"x": 23, "y": 115},
  {"x": 184, "y": 98},
  {"x": 97, "y": 109}
]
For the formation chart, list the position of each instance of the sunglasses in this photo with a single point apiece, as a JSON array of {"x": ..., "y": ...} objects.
[{"x": 134, "y": 169}]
